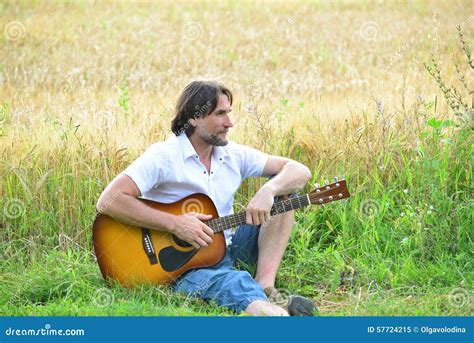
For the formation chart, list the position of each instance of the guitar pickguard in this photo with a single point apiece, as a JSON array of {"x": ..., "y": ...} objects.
[{"x": 172, "y": 259}]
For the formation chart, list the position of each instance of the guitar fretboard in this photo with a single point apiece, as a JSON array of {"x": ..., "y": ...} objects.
[{"x": 233, "y": 220}]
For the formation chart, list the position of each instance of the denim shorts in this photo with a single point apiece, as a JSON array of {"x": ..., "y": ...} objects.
[{"x": 226, "y": 283}]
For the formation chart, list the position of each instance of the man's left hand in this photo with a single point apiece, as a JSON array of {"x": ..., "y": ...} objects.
[{"x": 258, "y": 209}]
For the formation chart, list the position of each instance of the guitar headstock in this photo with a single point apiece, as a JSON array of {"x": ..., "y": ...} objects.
[{"x": 329, "y": 192}]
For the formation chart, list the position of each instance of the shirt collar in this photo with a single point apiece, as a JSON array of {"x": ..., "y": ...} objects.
[
  {"x": 186, "y": 146},
  {"x": 219, "y": 152}
]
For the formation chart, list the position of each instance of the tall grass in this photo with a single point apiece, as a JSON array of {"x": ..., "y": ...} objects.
[{"x": 85, "y": 87}]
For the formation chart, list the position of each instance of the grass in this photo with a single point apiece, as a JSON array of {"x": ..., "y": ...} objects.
[{"x": 86, "y": 87}]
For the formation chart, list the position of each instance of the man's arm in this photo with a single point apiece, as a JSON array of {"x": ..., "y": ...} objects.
[
  {"x": 290, "y": 176},
  {"x": 119, "y": 201}
]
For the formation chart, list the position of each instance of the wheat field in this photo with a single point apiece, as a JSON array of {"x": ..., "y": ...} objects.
[{"x": 86, "y": 86}]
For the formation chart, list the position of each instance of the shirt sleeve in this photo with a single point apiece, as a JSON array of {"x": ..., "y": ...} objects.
[
  {"x": 149, "y": 170},
  {"x": 253, "y": 162}
]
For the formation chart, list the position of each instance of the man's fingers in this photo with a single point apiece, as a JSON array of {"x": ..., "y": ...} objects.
[
  {"x": 201, "y": 242},
  {"x": 267, "y": 216},
  {"x": 205, "y": 237},
  {"x": 248, "y": 218},
  {"x": 262, "y": 217},
  {"x": 202, "y": 216},
  {"x": 195, "y": 245},
  {"x": 255, "y": 219},
  {"x": 208, "y": 231}
]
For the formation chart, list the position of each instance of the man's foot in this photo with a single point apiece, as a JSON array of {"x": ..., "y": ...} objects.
[{"x": 296, "y": 305}]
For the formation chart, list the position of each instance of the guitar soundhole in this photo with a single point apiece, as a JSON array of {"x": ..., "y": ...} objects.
[{"x": 181, "y": 243}]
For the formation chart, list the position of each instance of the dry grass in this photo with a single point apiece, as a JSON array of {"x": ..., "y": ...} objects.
[{"x": 334, "y": 59}]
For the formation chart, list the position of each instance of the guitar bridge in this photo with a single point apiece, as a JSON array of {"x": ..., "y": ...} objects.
[{"x": 148, "y": 246}]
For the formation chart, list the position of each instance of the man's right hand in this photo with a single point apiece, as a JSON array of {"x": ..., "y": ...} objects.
[{"x": 190, "y": 228}]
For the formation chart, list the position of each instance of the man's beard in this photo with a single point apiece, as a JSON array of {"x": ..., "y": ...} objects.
[{"x": 212, "y": 139}]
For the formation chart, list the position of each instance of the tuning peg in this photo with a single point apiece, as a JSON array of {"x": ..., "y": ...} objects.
[
  {"x": 316, "y": 185},
  {"x": 336, "y": 178},
  {"x": 340, "y": 195},
  {"x": 323, "y": 206},
  {"x": 330, "y": 197},
  {"x": 326, "y": 182},
  {"x": 321, "y": 201}
]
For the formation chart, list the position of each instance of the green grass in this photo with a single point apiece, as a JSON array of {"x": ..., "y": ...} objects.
[{"x": 402, "y": 245}]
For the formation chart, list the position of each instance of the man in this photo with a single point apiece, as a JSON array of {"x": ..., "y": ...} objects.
[{"x": 199, "y": 159}]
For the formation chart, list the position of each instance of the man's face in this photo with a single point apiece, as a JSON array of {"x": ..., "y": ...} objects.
[{"x": 213, "y": 128}]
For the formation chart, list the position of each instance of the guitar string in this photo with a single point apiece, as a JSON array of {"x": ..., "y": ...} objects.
[{"x": 233, "y": 220}]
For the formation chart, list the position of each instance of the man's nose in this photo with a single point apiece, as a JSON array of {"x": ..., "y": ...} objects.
[{"x": 228, "y": 122}]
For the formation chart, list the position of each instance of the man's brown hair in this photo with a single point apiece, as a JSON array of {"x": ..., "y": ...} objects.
[{"x": 198, "y": 99}]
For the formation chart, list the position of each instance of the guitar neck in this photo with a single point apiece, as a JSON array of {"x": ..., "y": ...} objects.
[{"x": 234, "y": 220}]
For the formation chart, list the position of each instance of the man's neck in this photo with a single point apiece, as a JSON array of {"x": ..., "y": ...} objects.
[{"x": 203, "y": 149}]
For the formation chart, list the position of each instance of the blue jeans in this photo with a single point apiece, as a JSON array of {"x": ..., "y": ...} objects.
[{"x": 224, "y": 283}]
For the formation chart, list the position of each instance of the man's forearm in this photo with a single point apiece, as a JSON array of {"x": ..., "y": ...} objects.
[
  {"x": 129, "y": 210},
  {"x": 291, "y": 178}
]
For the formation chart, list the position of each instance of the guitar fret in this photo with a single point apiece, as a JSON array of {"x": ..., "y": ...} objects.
[
  {"x": 227, "y": 223},
  {"x": 236, "y": 219}
]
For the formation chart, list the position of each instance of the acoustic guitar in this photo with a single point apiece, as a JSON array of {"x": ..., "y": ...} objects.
[{"x": 135, "y": 255}]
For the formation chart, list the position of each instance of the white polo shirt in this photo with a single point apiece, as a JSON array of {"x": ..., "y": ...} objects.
[{"x": 169, "y": 171}]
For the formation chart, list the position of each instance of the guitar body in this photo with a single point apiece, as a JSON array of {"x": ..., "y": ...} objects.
[{"x": 121, "y": 249}]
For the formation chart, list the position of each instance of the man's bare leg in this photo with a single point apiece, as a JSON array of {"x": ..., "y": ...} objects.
[
  {"x": 272, "y": 242},
  {"x": 264, "y": 308}
]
